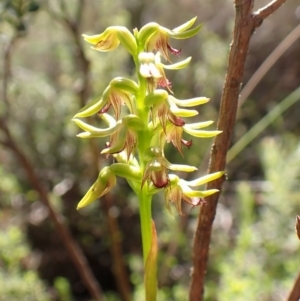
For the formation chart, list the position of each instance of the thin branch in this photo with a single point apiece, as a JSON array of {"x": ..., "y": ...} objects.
[
  {"x": 83, "y": 65},
  {"x": 72, "y": 247},
  {"x": 116, "y": 249},
  {"x": 7, "y": 72},
  {"x": 79, "y": 10},
  {"x": 244, "y": 26},
  {"x": 267, "y": 10},
  {"x": 268, "y": 63}
]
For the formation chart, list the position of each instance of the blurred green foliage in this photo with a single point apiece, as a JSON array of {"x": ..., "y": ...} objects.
[
  {"x": 254, "y": 251},
  {"x": 18, "y": 283}
]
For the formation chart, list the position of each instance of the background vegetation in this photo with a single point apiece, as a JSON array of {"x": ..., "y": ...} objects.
[{"x": 48, "y": 73}]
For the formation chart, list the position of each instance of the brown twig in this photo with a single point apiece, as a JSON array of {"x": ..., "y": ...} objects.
[
  {"x": 294, "y": 294},
  {"x": 266, "y": 11},
  {"x": 245, "y": 24},
  {"x": 7, "y": 71},
  {"x": 72, "y": 247},
  {"x": 269, "y": 62},
  {"x": 116, "y": 248}
]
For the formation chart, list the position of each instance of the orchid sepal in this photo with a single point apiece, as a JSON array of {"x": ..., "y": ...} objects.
[
  {"x": 185, "y": 26},
  {"x": 205, "y": 179},
  {"x": 183, "y": 112},
  {"x": 146, "y": 31},
  {"x": 125, "y": 84},
  {"x": 126, "y": 171},
  {"x": 156, "y": 97},
  {"x": 185, "y": 34},
  {"x": 199, "y": 133},
  {"x": 192, "y": 102},
  {"x": 179, "y": 65},
  {"x": 92, "y": 131},
  {"x": 110, "y": 39},
  {"x": 105, "y": 182},
  {"x": 133, "y": 122}
]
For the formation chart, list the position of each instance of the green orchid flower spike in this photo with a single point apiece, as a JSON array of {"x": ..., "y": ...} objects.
[{"x": 142, "y": 117}]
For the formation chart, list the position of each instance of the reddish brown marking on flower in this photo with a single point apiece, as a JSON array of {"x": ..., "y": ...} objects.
[
  {"x": 101, "y": 43},
  {"x": 160, "y": 179},
  {"x": 105, "y": 108},
  {"x": 164, "y": 83},
  {"x": 173, "y": 50},
  {"x": 178, "y": 121},
  {"x": 187, "y": 143}
]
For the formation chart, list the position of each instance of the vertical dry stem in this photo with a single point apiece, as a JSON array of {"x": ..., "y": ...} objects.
[{"x": 245, "y": 24}]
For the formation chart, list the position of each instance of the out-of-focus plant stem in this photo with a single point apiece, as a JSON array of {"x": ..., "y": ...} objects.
[
  {"x": 246, "y": 21},
  {"x": 263, "y": 123},
  {"x": 80, "y": 60},
  {"x": 290, "y": 39},
  {"x": 75, "y": 252}
]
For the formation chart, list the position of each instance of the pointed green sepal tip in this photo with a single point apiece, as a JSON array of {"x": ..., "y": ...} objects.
[
  {"x": 182, "y": 167},
  {"x": 185, "y": 26},
  {"x": 200, "y": 125},
  {"x": 183, "y": 112},
  {"x": 105, "y": 182},
  {"x": 91, "y": 108},
  {"x": 89, "y": 128},
  {"x": 200, "y": 194},
  {"x": 179, "y": 65},
  {"x": 192, "y": 102},
  {"x": 205, "y": 179},
  {"x": 200, "y": 133},
  {"x": 186, "y": 34}
]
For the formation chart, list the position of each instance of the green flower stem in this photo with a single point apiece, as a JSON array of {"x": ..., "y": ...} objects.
[
  {"x": 146, "y": 217},
  {"x": 144, "y": 142}
]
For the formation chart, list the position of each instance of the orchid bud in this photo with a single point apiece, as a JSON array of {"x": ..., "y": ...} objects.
[{"x": 105, "y": 182}]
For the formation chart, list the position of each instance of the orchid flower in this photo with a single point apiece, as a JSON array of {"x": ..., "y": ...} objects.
[{"x": 145, "y": 117}]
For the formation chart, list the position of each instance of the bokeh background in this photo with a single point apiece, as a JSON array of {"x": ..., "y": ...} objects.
[{"x": 48, "y": 73}]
